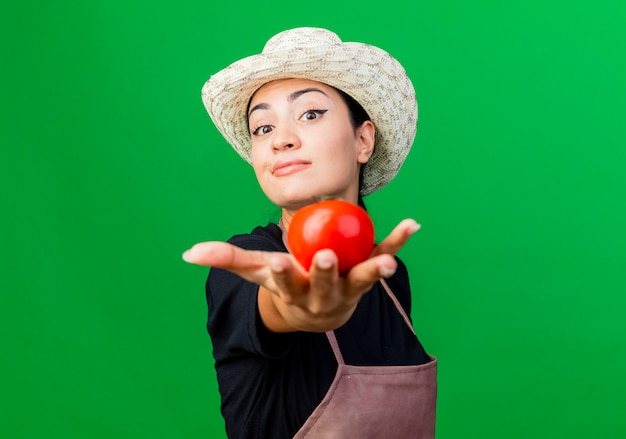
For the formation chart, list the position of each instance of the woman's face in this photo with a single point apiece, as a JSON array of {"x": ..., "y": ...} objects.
[{"x": 303, "y": 144}]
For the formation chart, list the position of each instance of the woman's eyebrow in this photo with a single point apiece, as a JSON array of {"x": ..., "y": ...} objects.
[
  {"x": 292, "y": 97},
  {"x": 258, "y": 107},
  {"x": 296, "y": 94}
]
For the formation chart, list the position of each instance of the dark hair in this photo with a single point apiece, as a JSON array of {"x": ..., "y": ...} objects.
[{"x": 358, "y": 116}]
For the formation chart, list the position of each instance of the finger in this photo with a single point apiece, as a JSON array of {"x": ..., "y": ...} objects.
[
  {"x": 397, "y": 238},
  {"x": 323, "y": 272},
  {"x": 289, "y": 279},
  {"x": 224, "y": 255},
  {"x": 364, "y": 275}
]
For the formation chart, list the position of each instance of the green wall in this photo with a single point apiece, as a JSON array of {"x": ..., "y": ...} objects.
[{"x": 110, "y": 168}]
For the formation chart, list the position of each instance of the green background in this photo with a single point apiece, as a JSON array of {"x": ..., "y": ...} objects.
[{"x": 110, "y": 168}]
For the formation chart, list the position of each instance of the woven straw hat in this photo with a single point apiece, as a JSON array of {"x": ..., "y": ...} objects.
[{"x": 369, "y": 74}]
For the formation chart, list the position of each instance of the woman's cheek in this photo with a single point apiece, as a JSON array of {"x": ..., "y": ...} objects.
[
  {"x": 258, "y": 163},
  {"x": 262, "y": 171}
]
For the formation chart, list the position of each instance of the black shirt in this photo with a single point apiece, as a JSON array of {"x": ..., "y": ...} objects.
[{"x": 270, "y": 383}]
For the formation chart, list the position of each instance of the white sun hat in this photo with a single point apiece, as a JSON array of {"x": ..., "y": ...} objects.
[{"x": 368, "y": 74}]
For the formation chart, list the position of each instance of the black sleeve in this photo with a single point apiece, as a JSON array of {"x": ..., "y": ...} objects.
[{"x": 234, "y": 322}]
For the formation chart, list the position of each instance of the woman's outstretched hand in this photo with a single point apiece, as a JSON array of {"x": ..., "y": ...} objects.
[{"x": 292, "y": 299}]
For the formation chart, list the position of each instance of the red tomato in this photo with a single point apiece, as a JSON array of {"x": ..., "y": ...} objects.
[{"x": 343, "y": 227}]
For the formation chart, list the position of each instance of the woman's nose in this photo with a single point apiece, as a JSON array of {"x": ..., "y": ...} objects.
[{"x": 285, "y": 138}]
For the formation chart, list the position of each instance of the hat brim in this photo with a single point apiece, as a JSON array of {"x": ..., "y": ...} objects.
[{"x": 368, "y": 74}]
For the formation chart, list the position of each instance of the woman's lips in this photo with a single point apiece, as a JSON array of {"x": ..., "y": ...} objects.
[{"x": 289, "y": 167}]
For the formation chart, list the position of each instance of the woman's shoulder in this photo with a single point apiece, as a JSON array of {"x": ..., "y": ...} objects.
[{"x": 267, "y": 238}]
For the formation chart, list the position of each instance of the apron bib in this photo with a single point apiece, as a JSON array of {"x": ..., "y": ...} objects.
[{"x": 378, "y": 402}]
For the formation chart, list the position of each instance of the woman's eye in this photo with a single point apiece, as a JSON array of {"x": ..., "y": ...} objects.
[
  {"x": 313, "y": 114},
  {"x": 263, "y": 129}
]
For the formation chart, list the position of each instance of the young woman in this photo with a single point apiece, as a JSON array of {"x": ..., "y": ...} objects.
[{"x": 311, "y": 353}]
